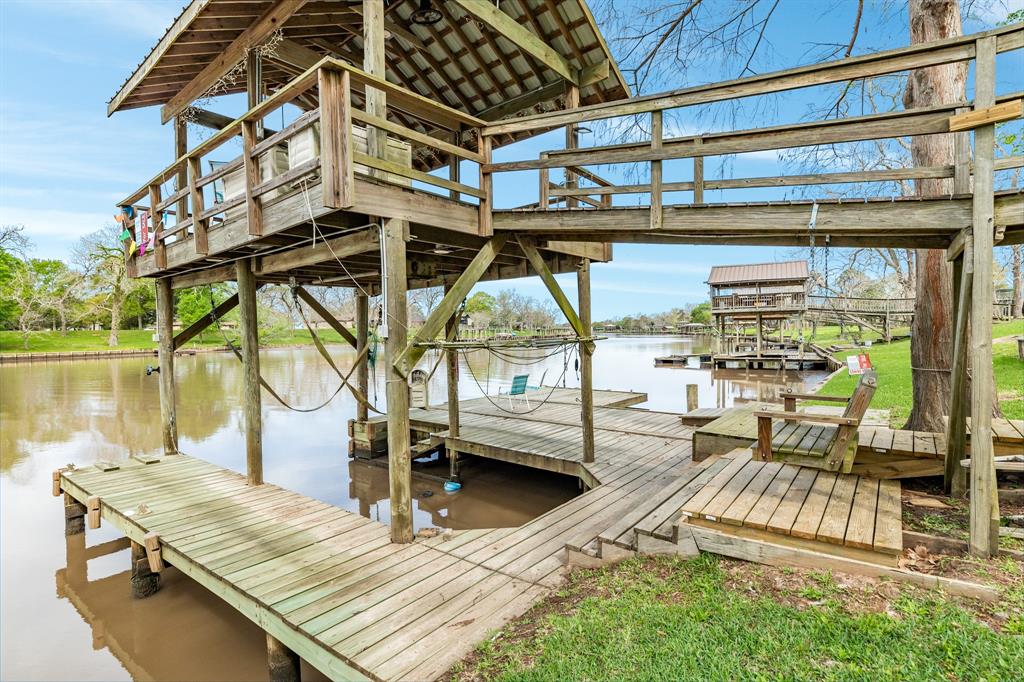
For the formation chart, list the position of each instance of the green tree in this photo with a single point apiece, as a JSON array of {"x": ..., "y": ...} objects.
[
  {"x": 193, "y": 303},
  {"x": 480, "y": 302},
  {"x": 701, "y": 314},
  {"x": 101, "y": 257}
]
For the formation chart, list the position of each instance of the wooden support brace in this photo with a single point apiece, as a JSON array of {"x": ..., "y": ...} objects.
[
  {"x": 336, "y": 145},
  {"x": 151, "y": 541},
  {"x": 92, "y": 505},
  {"x": 999, "y": 113},
  {"x": 541, "y": 268},
  {"x": 196, "y": 328},
  {"x": 326, "y": 316},
  {"x": 405, "y": 362}
]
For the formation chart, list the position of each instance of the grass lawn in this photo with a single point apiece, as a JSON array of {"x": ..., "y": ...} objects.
[
  {"x": 892, "y": 364},
  {"x": 662, "y": 618},
  {"x": 135, "y": 339}
]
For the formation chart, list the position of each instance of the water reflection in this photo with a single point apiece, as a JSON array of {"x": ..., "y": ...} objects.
[{"x": 85, "y": 626}]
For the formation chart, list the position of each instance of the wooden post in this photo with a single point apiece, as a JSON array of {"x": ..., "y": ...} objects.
[
  {"x": 454, "y": 172},
  {"x": 572, "y": 141},
  {"x": 656, "y": 205},
  {"x": 254, "y": 83},
  {"x": 157, "y": 218},
  {"x": 396, "y": 321},
  {"x": 92, "y": 505},
  {"x": 698, "y": 176},
  {"x": 984, "y": 540},
  {"x": 145, "y": 582},
  {"x": 251, "y": 372},
  {"x": 362, "y": 340},
  {"x": 373, "y": 64},
  {"x": 282, "y": 662},
  {"x": 165, "y": 360},
  {"x": 452, "y": 361},
  {"x": 200, "y": 239},
  {"x": 336, "y": 170},
  {"x": 955, "y": 481},
  {"x": 759, "y": 337},
  {"x": 180, "y": 150},
  {"x": 691, "y": 397},
  {"x": 586, "y": 349},
  {"x": 74, "y": 516},
  {"x": 543, "y": 186},
  {"x": 487, "y": 187}
]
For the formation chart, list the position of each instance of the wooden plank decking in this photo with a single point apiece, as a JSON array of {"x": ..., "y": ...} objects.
[{"x": 331, "y": 586}]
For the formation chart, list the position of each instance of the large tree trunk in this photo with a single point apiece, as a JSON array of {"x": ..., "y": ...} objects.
[
  {"x": 932, "y": 340},
  {"x": 1017, "y": 267}
]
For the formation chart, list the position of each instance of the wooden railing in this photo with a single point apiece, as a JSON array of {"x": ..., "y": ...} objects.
[
  {"x": 855, "y": 304},
  {"x": 336, "y": 82},
  {"x": 777, "y": 301},
  {"x": 957, "y": 118}
]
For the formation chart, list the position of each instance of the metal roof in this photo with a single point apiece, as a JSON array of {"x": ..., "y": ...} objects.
[
  {"x": 459, "y": 61},
  {"x": 786, "y": 271}
]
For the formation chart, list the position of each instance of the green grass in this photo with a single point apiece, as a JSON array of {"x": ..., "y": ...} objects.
[
  {"x": 895, "y": 390},
  {"x": 666, "y": 619},
  {"x": 134, "y": 339}
]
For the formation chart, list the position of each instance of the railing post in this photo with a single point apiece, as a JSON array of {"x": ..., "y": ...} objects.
[
  {"x": 253, "y": 204},
  {"x": 200, "y": 240},
  {"x": 486, "y": 187},
  {"x": 656, "y": 134},
  {"x": 159, "y": 248},
  {"x": 336, "y": 138},
  {"x": 180, "y": 150},
  {"x": 698, "y": 174},
  {"x": 572, "y": 141},
  {"x": 542, "y": 201}
]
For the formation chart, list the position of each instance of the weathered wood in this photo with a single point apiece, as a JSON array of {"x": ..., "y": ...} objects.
[
  {"x": 253, "y": 203},
  {"x": 374, "y": 64},
  {"x": 405, "y": 361},
  {"x": 486, "y": 189},
  {"x": 698, "y": 177},
  {"x": 984, "y": 531},
  {"x": 321, "y": 251},
  {"x": 336, "y": 173},
  {"x": 362, "y": 340},
  {"x": 157, "y": 217},
  {"x": 396, "y": 370},
  {"x": 997, "y": 113},
  {"x": 954, "y": 481},
  {"x": 144, "y": 581},
  {"x": 327, "y": 317},
  {"x": 151, "y": 541},
  {"x": 282, "y": 662},
  {"x": 251, "y": 403},
  {"x": 92, "y": 505},
  {"x": 200, "y": 226},
  {"x": 508, "y": 28},
  {"x": 656, "y": 172},
  {"x": 542, "y": 270},
  {"x": 586, "y": 361},
  {"x": 272, "y": 19},
  {"x": 165, "y": 352}
]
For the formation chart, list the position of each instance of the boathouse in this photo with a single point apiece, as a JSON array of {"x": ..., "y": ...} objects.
[{"x": 364, "y": 159}]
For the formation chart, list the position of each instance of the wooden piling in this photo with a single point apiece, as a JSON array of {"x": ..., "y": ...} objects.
[
  {"x": 452, "y": 362},
  {"x": 151, "y": 543},
  {"x": 362, "y": 339},
  {"x": 282, "y": 662},
  {"x": 145, "y": 582},
  {"x": 74, "y": 516},
  {"x": 691, "y": 397},
  {"x": 92, "y": 506},
  {"x": 251, "y": 407},
  {"x": 397, "y": 320},
  {"x": 984, "y": 539},
  {"x": 586, "y": 360},
  {"x": 165, "y": 352}
]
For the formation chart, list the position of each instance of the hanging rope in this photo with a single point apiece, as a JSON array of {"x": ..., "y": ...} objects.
[{"x": 486, "y": 394}]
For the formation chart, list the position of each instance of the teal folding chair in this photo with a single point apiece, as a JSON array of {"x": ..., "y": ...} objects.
[{"x": 518, "y": 388}]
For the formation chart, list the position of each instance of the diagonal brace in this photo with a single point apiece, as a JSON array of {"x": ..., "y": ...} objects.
[
  {"x": 529, "y": 247},
  {"x": 326, "y": 316},
  {"x": 197, "y": 327},
  {"x": 450, "y": 303}
]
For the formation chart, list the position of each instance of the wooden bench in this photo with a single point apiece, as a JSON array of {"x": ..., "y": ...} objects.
[{"x": 818, "y": 441}]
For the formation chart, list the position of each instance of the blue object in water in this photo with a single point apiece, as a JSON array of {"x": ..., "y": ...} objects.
[{"x": 451, "y": 486}]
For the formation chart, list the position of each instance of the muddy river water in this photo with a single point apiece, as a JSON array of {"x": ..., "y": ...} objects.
[{"x": 66, "y": 614}]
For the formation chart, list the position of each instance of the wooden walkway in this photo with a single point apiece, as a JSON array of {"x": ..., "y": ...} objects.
[{"x": 329, "y": 585}]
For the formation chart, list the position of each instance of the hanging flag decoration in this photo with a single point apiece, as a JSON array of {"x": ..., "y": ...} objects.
[{"x": 144, "y": 231}]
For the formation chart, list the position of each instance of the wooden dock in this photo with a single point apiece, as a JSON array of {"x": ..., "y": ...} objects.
[{"x": 331, "y": 586}]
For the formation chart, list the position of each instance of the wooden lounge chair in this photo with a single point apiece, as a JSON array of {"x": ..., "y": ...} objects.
[{"x": 819, "y": 441}]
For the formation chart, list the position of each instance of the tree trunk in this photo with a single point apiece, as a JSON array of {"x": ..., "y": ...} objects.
[
  {"x": 932, "y": 334},
  {"x": 1017, "y": 268},
  {"x": 115, "y": 316}
]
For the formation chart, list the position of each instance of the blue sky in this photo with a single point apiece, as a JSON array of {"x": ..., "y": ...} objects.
[{"x": 64, "y": 164}]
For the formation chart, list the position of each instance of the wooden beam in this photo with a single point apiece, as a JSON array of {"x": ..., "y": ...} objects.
[
  {"x": 449, "y": 304},
  {"x": 320, "y": 252},
  {"x": 362, "y": 340},
  {"x": 165, "y": 351},
  {"x": 395, "y": 348},
  {"x": 196, "y": 328},
  {"x": 541, "y": 268},
  {"x": 272, "y": 19},
  {"x": 511, "y": 30},
  {"x": 586, "y": 362},
  {"x": 221, "y": 273},
  {"x": 336, "y": 172},
  {"x": 251, "y": 372},
  {"x": 998, "y": 113},
  {"x": 327, "y": 317},
  {"x": 984, "y": 522},
  {"x": 956, "y": 426}
]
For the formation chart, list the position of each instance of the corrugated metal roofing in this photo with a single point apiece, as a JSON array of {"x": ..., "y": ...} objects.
[{"x": 759, "y": 272}]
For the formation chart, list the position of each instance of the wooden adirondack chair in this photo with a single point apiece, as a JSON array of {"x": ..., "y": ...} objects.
[{"x": 819, "y": 441}]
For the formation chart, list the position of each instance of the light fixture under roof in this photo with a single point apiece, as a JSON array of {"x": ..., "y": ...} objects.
[
  {"x": 426, "y": 15},
  {"x": 441, "y": 250}
]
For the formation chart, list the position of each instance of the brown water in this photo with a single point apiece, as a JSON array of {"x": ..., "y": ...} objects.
[{"x": 63, "y": 617}]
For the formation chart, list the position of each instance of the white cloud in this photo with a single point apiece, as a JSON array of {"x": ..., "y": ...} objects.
[{"x": 52, "y": 224}]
